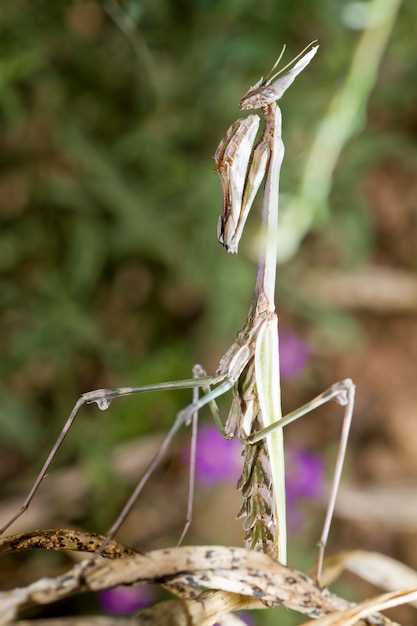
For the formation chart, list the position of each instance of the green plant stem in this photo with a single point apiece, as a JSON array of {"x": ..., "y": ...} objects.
[
  {"x": 345, "y": 115},
  {"x": 267, "y": 357}
]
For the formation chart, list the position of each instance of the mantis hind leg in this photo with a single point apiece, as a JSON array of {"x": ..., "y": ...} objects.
[
  {"x": 103, "y": 399},
  {"x": 198, "y": 373},
  {"x": 344, "y": 393},
  {"x": 187, "y": 416}
]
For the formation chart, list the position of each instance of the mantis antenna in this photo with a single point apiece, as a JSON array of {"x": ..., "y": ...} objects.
[{"x": 290, "y": 63}]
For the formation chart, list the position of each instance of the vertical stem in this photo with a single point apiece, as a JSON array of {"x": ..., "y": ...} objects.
[{"x": 267, "y": 358}]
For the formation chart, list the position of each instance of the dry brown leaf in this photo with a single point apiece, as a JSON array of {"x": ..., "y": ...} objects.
[
  {"x": 375, "y": 288},
  {"x": 242, "y": 579},
  {"x": 350, "y": 617},
  {"x": 80, "y": 620},
  {"x": 98, "y": 620},
  {"x": 378, "y": 569},
  {"x": 395, "y": 507},
  {"x": 63, "y": 539}
]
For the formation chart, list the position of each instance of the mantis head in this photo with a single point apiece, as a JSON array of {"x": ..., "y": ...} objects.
[{"x": 268, "y": 90}]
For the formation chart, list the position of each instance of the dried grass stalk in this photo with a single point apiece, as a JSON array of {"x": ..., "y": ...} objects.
[{"x": 240, "y": 579}]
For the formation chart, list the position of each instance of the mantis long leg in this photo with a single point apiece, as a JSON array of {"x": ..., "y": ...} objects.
[
  {"x": 208, "y": 398},
  {"x": 344, "y": 393},
  {"x": 197, "y": 369},
  {"x": 166, "y": 442},
  {"x": 103, "y": 398},
  {"x": 183, "y": 417},
  {"x": 199, "y": 373}
]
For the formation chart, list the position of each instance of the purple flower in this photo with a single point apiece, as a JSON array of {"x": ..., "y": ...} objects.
[
  {"x": 126, "y": 600},
  {"x": 245, "y": 617},
  {"x": 293, "y": 354},
  {"x": 218, "y": 459},
  {"x": 304, "y": 481}
]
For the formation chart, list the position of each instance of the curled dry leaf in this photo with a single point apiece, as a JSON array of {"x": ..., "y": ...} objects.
[
  {"x": 393, "y": 506},
  {"x": 378, "y": 569},
  {"x": 352, "y": 616},
  {"x": 242, "y": 579}
]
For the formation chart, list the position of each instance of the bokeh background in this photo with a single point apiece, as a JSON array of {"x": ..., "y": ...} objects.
[{"x": 111, "y": 273}]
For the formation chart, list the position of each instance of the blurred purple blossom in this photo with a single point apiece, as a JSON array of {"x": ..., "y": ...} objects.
[
  {"x": 126, "y": 600},
  {"x": 294, "y": 354},
  {"x": 245, "y": 617},
  {"x": 304, "y": 481},
  {"x": 218, "y": 459}
]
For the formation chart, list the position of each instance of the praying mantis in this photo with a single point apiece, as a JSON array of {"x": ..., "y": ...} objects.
[{"x": 250, "y": 367}]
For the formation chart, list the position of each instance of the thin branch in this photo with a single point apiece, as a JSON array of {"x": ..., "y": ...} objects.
[
  {"x": 99, "y": 620},
  {"x": 58, "y": 539}
]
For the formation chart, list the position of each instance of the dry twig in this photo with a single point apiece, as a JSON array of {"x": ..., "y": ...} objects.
[
  {"x": 242, "y": 579},
  {"x": 63, "y": 539}
]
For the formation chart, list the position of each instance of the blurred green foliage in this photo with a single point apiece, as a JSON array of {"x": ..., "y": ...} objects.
[{"x": 110, "y": 272}]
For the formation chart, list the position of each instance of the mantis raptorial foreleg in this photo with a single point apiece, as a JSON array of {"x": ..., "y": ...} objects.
[
  {"x": 103, "y": 398},
  {"x": 344, "y": 393},
  {"x": 241, "y": 168}
]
